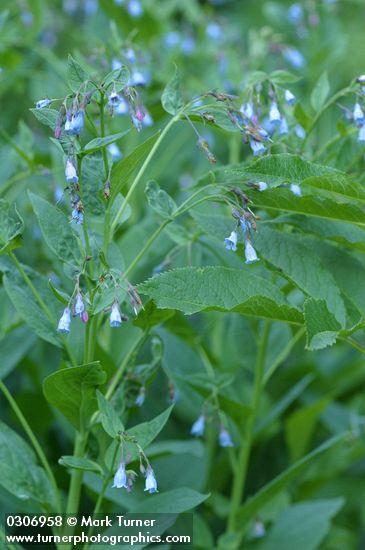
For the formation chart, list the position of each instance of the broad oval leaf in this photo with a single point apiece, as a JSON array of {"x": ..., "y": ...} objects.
[
  {"x": 159, "y": 200},
  {"x": 194, "y": 289},
  {"x": 57, "y": 231},
  {"x": 76, "y": 75},
  {"x": 20, "y": 474},
  {"x": 73, "y": 392},
  {"x": 171, "y": 97}
]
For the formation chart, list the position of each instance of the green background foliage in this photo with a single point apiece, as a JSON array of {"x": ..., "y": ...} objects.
[{"x": 271, "y": 351}]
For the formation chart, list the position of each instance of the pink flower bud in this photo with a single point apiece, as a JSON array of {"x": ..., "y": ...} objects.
[{"x": 84, "y": 316}]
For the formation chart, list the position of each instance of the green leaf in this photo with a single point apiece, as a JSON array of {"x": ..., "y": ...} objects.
[
  {"x": 109, "y": 417},
  {"x": 150, "y": 316},
  {"x": 177, "y": 500},
  {"x": 119, "y": 76},
  {"x": 20, "y": 474},
  {"x": 283, "y": 77},
  {"x": 146, "y": 432},
  {"x": 61, "y": 296},
  {"x": 46, "y": 116},
  {"x": 302, "y": 526},
  {"x": 321, "y": 326},
  {"x": 159, "y": 200},
  {"x": 77, "y": 463},
  {"x": 301, "y": 265},
  {"x": 26, "y": 305},
  {"x": 337, "y": 185},
  {"x": 256, "y": 77},
  {"x": 283, "y": 200},
  {"x": 14, "y": 346},
  {"x": 76, "y": 75},
  {"x": 11, "y": 227},
  {"x": 320, "y": 92},
  {"x": 171, "y": 97},
  {"x": 100, "y": 142},
  {"x": 57, "y": 231},
  {"x": 72, "y": 391},
  {"x": 187, "y": 446},
  {"x": 124, "y": 169},
  {"x": 250, "y": 509},
  {"x": 300, "y": 426},
  {"x": 274, "y": 170},
  {"x": 194, "y": 289}
]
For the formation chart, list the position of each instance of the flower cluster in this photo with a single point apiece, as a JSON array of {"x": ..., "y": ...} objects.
[{"x": 124, "y": 479}]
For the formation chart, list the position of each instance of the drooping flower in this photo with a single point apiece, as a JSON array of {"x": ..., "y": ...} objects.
[
  {"x": 197, "y": 428},
  {"x": 139, "y": 78},
  {"x": 289, "y": 97},
  {"x": 65, "y": 321},
  {"x": 299, "y": 131},
  {"x": 250, "y": 253},
  {"x": 84, "y": 316},
  {"x": 77, "y": 216},
  {"x": 274, "y": 113},
  {"x": 79, "y": 307},
  {"x": 247, "y": 110},
  {"x": 77, "y": 122},
  {"x": 295, "y": 189},
  {"x": 259, "y": 530},
  {"x": 225, "y": 438},
  {"x": 263, "y": 133},
  {"x": 258, "y": 148},
  {"x": 122, "y": 107},
  {"x": 246, "y": 226},
  {"x": 231, "y": 241},
  {"x": 141, "y": 397},
  {"x": 115, "y": 152},
  {"x": 358, "y": 114},
  {"x": 361, "y": 135},
  {"x": 283, "y": 128},
  {"x": 151, "y": 483},
  {"x": 70, "y": 171},
  {"x": 261, "y": 185},
  {"x": 295, "y": 13},
  {"x": 113, "y": 101},
  {"x": 135, "y": 8},
  {"x": 42, "y": 103},
  {"x": 120, "y": 478},
  {"x": 294, "y": 57},
  {"x": 115, "y": 316}
]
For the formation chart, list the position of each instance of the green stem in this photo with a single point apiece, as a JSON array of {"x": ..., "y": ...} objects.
[
  {"x": 142, "y": 171},
  {"x": 76, "y": 476},
  {"x": 146, "y": 247},
  {"x": 18, "y": 149},
  {"x": 101, "y": 496},
  {"x": 181, "y": 210},
  {"x": 240, "y": 473},
  {"x": 283, "y": 354},
  {"x": 42, "y": 305},
  {"x": 330, "y": 102},
  {"x": 38, "y": 449}
]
